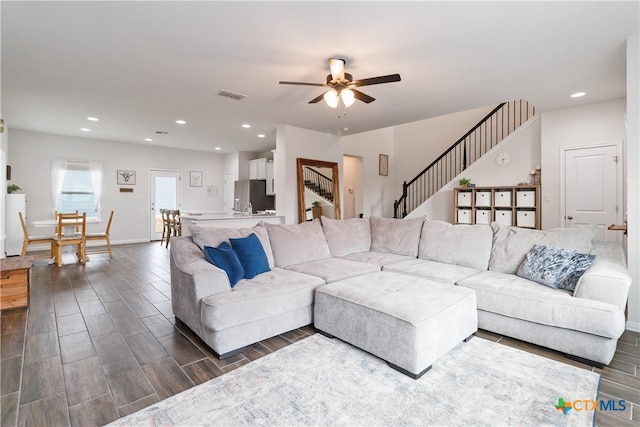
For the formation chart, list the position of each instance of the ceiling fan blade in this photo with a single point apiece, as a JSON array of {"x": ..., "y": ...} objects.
[
  {"x": 317, "y": 99},
  {"x": 378, "y": 80},
  {"x": 337, "y": 68},
  {"x": 362, "y": 96},
  {"x": 302, "y": 83}
]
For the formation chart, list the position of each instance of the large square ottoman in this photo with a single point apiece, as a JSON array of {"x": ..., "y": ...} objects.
[{"x": 407, "y": 321}]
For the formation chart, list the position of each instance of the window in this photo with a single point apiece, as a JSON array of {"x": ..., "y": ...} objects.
[{"x": 76, "y": 186}]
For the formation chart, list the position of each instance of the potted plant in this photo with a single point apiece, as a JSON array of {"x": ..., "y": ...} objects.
[
  {"x": 316, "y": 209},
  {"x": 13, "y": 188},
  {"x": 464, "y": 182}
]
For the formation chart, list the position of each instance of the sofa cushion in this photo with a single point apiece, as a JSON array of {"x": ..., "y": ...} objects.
[
  {"x": 251, "y": 255},
  {"x": 511, "y": 244},
  {"x": 442, "y": 272},
  {"x": 266, "y": 295},
  {"x": 347, "y": 236},
  {"x": 466, "y": 245},
  {"x": 396, "y": 236},
  {"x": 213, "y": 236},
  {"x": 297, "y": 243},
  {"x": 225, "y": 258},
  {"x": 334, "y": 269},
  {"x": 514, "y": 296},
  {"x": 546, "y": 265},
  {"x": 377, "y": 258}
]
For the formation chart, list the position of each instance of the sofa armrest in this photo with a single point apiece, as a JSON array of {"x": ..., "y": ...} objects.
[
  {"x": 192, "y": 278},
  {"x": 189, "y": 260},
  {"x": 608, "y": 279}
]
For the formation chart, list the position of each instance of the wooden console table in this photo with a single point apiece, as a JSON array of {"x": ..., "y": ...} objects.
[{"x": 15, "y": 282}]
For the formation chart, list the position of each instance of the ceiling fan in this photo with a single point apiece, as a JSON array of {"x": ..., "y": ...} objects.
[{"x": 342, "y": 85}]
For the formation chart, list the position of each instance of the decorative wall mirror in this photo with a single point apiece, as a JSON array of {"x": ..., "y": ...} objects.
[{"x": 318, "y": 189}]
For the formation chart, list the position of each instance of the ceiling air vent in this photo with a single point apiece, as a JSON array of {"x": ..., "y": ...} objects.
[{"x": 232, "y": 95}]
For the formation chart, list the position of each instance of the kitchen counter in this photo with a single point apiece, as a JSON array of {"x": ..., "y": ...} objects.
[{"x": 213, "y": 219}]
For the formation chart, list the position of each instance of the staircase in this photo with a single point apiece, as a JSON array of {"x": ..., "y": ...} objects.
[
  {"x": 486, "y": 134},
  {"x": 318, "y": 183}
]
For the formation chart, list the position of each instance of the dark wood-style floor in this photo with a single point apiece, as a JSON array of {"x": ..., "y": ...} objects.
[{"x": 100, "y": 342}]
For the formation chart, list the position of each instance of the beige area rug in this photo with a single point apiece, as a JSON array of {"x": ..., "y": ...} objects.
[{"x": 325, "y": 382}]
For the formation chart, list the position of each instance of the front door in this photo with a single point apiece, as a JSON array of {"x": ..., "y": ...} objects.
[
  {"x": 165, "y": 193},
  {"x": 593, "y": 188}
]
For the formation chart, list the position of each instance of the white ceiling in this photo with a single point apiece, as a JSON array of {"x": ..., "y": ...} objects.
[{"x": 139, "y": 66}]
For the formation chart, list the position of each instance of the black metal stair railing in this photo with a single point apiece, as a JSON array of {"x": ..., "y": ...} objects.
[
  {"x": 318, "y": 183},
  {"x": 482, "y": 137}
]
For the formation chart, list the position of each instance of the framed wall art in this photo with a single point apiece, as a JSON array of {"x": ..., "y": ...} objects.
[
  {"x": 126, "y": 177},
  {"x": 195, "y": 178},
  {"x": 383, "y": 165}
]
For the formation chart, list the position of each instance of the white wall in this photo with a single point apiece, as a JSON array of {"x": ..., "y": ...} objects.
[
  {"x": 417, "y": 144},
  {"x": 379, "y": 191},
  {"x": 633, "y": 179},
  {"x": 523, "y": 145},
  {"x": 30, "y": 155},
  {"x": 292, "y": 143},
  {"x": 583, "y": 125}
]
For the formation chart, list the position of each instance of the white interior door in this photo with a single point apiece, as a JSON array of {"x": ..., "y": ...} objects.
[
  {"x": 593, "y": 188},
  {"x": 165, "y": 193}
]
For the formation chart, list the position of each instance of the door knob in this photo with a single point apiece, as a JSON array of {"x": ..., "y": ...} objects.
[{"x": 569, "y": 217}]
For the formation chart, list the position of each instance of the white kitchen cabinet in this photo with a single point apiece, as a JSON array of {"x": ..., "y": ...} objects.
[
  {"x": 270, "y": 176},
  {"x": 258, "y": 169}
]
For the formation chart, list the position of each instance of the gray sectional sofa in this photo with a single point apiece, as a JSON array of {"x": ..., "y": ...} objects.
[{"x": 584, "y": 323}]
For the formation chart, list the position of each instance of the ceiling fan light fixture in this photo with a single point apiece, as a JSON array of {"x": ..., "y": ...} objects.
[
  {"x": 348, "y": 97},
  {"x": 331, "y": 98}
]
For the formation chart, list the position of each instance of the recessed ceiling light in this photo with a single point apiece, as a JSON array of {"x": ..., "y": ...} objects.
[
  {"x": 148, "y": 139},
  {"x": 85, "y": 130},
  {"x": 217, "y": 148},
  {"x": 246, "y": 126},
  {"x": 261, "y": 135},
  {"x": 92, "y": 119},
  {"x": 181, "y": 122},
  {"x": 578, "y": 94}
]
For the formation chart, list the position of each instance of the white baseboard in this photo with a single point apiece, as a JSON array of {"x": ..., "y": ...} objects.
[
  {"x": 633, "y": 326},
  {"x": 45, "y": 247}
]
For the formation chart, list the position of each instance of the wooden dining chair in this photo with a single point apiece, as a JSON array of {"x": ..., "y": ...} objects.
[
  {"x": 76, "y": 229},
  {"x": 76, "y": 239},
  {"x": 166, "y": 226},
  {"x": 90, "y": 237},
  {"x": 34, "y": 240},
  {"x": 175, "y": 224}
]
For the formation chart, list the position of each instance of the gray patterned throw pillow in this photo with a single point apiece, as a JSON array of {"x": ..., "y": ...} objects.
[
  {"x": 579, "y": 264},
  {"x": 546, "y": 265}
]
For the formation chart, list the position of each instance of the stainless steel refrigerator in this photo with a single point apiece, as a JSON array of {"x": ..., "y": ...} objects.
[{"x": 254, "y": 191}]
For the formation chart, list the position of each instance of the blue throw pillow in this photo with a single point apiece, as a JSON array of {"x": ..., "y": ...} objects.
[
  {"x": 251, "y": 255},
  {"x": 225, "y": 258},
  {"x": 546, "y": 265},
  {"x": 579, "y": 264}
]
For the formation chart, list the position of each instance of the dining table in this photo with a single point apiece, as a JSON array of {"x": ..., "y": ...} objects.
[{"x": 68, "y": 224}]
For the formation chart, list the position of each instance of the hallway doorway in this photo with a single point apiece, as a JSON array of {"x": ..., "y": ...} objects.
[{"x": 353, "y": 172}]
